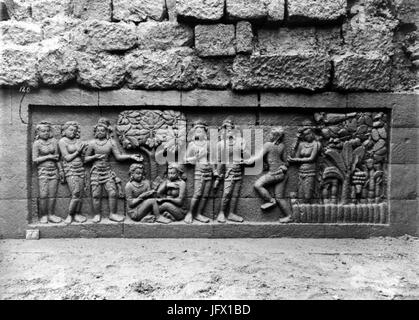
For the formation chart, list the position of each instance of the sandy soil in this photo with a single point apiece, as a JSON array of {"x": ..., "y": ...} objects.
[{"x": 379, "y": 268}]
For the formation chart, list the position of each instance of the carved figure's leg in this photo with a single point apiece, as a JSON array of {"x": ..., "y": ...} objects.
[
  {"x": 97, "y": 201},
  {"x": 225, "y": 200},
  {"x": 111, "y": 189},
  {"x": 232, "y": 216},
  {"x": 196, "y": 198},
  {"x": 205, "y": 195},
  {"x": 52, "y": 193},
  {"x": 259, "y": 186},
  {"x": 43, "y": 200},
  {"x": 283, "y": 203},
  {"x": 174, "y": 211}
]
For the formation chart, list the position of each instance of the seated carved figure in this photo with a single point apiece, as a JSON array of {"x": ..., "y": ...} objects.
[
  {"x": 172, "y": 194},
  {"x": 140, "y": 197}
]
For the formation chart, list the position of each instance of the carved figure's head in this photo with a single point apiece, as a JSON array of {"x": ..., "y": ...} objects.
[
  {"x": 199, "y": 131},
  {"x": 102, "y": 129},
  {"x": 175, "y": 171},
  {"x": 276, "y": 134},
  {"x": 369, "y": 163},
  {"x": 71, "y": 130},
  {"x": 136, "y": 172},
  {"x": 308, "y": 134},
  {"x": 43, "y": 130}
]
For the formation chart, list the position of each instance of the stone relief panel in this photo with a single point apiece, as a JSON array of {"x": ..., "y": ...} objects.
[{"x": 171, "y": 166}]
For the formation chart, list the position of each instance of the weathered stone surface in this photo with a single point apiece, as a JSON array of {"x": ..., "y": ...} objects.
[
  {"x": 407, "y": 11},
  {"x": 287, "y": 71},
  {"x": 329, "y": 40},
  {"x": 317, "y": 10},
  {"x": 92, "y": 9},
  {"x": 103, "y": 35},
  {"x": 161, "y": 69},
  {"x": 18, "y": 65},
  {"x": 200, "y": 9},
  {"x": 271, "y": 10},
  {"x": 299, "y": 100},
  {"x": 404, "y": 146},
  {"x": 13, "y": 221},
  {"x": 244, "y": 37},
  {"x": 138, "y": 10},
  {"x": 19, "y": 32},
  {"x": 214, "y": 73},
  {"x": 404, "y": 181},
  {"x": 223, "y": 98},
  {"x": 354, "y": 72},
  {"x": 282, "y": 40},
  {"x": 373, "y": 35},
  {"x": 3, "y": 11},
  {"x": 100, "y": 70},
  {"x": 59, "y": 26},
  {"x": 18, "y": 9},
  {"x": 171, "y": 10},
  {"x": 163, "y": 35},
  {"x": 215, "y": 40},
  {"x": 42, "y": 9},
  {"x": 56, "y": 64}
]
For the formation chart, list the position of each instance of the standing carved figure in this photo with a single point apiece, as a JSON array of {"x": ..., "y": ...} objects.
[
  {"x": 172, "y": 193},
  {"x": 231, "y": 151},
  {"x": 46, "y": 156},
  {"x": 140, "y": 196},
  {"x": 71, "y": 149},
  {"x": 102, "y": 178},
  {"x": 307, "y": 151},
  {"x": 273, "y": 153},
  {"x": 197, "y": 154}
]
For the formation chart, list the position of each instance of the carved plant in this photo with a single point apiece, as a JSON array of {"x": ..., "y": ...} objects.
[{"x": 346, "y": 161}]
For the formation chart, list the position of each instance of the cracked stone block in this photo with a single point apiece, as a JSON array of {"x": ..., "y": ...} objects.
[
  {"x": 244, "y": 37},
  {"x": 100, "y": 70},
  {"x": 19, "y": 10},
  {"x": 18, "y": 65},
  {"x": 59, "y": 26},
  {"x": 306, "y": 71},
  {"x": 316, "y": 10},
  {"x": 354, "y": 72},
  {"x": 138, "y": 10},
  {"x": 19, "y": 32},
  {"x": 214, "y": 73},
  {"x": 270, "y": 10},
  {"x": 161, "y": 69},
  {"x": 164, "y": 35},
  {"x": 211, "y": 10},
  {"x": 42, "y": 9},
  {"x": 103, "y": 35},
  {"x": 215, "y": 40},
  {"x": 92, "y": 9}
]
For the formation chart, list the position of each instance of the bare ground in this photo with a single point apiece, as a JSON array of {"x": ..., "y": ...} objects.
[{"x": 379, "y": 268}]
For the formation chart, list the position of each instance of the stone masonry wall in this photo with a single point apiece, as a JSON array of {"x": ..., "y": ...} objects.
[{"x": 312, "y": 45}]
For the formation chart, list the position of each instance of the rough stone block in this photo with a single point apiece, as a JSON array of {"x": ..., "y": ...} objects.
[
  {"x": 164, "y": 35},
  {"x": 18, "y": 9},
  {"x": 355, "y": 72},
  {"x": 211, "y": 10},
  {"x": 13, "y": 218},
  {"x": 161, "y": 69},
  {"x": 19, "y": 32},
  {"x": 282, "y": 40},
  {"x": 244, "y": 37},
  {"x": 103, "y": 35},
  {"x": 329, "y": 40},
  {"x": 374, "y": 35},
  {"x": 407, "y": 11},
  {"x": 288, "y": 71},
  {"x": 3, "y": 11},
  {"x": 59, "y": 26},
  {"x": 56, "y": 65},
  {"x": 100, "y": 70},
  {"x": 214, "y": 73},
  {"x": 271, "y": 10},
  {"x": 42, "y": 9},
  {"x": 215, "y": 40},
  {"x": 92, "y": 9},
  {"x": 171, "y": 10},
  {"x": 404, "y": 181},
  {"x": 138, "y": 10},
  {"x": 18, "y": 65},
  {"x": 316, "y": 10},
  {"x": 404, "y": 146}
]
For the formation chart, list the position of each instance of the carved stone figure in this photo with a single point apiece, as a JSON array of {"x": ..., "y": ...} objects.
[
  {"x": 102, "y": 178},
  {"x": 231, "y": 151},
  {"x": 171, "y": 193},
  {"x": 197, "y": 154},
  {"x": 141, "y": 198},
  {"x": 306, "y": 153},
  {"x": 46, "y": 156},
  {"x": 71, "y": 149},
  {"x": 273, "y": 153}
]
